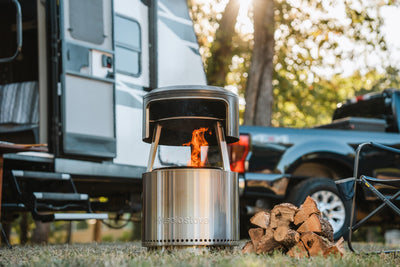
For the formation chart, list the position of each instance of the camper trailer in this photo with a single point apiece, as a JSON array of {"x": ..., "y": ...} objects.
[{"x": 72, "y": 79}]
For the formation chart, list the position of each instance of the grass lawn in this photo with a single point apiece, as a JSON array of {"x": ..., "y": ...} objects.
[{"x": 132, "y": 254}]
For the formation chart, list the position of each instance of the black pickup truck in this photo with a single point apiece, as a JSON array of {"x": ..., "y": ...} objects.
[{"x": 286, "y": 165}]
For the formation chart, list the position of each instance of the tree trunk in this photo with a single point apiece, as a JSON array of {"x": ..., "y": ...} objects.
[
  {"x": 41, "y": 233},
  {"x": 69, "y": 232},
  {"x": 259, "y": 94},
  {"x": 97, "y": 231},
  {"x": 221, "y": 49},
  {"x": 136, "y": 227},
  {"x": 23, "y": 225}
]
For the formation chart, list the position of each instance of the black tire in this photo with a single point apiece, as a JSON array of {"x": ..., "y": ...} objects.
[{"x": 324, "y": 192}]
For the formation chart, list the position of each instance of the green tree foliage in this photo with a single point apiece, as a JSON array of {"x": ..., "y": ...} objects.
[
  {"x": 315, "y": 43},
  {"x": 325, "y": 52}
]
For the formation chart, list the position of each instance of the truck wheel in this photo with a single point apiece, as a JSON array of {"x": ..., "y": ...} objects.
[{"x": 330, "y": 203}]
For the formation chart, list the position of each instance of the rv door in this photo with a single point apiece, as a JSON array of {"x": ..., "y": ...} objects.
[{"x": 87, "y": 87}]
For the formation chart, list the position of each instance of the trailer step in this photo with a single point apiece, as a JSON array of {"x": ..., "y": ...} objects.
[
  {"x": 79, "y": 216},
  {"x": 43, "y": 196},
  {"x": 41, "y": 175},
  {"x": 59, "y": 202},
  {"x": 68, "y": 216}
]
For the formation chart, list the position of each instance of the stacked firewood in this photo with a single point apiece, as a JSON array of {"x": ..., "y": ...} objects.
[{"x": 298, "y": 232}]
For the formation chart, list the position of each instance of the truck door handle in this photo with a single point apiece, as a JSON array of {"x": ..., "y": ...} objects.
[{"x": 18, "y": 25}]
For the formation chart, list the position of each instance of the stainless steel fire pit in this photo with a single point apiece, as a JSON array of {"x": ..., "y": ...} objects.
[{"x": 190, "y": 196}]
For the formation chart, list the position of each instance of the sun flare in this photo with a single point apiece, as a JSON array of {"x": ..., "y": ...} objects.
[
  {"x": 244, "y": 24},
  {"x": 245, "y": 2}
]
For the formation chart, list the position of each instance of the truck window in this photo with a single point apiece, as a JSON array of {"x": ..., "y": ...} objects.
[
  {"x": 378, "y": 106},
  {"x": 127, "y": 46},
  {"x": 374, "y": 108}
]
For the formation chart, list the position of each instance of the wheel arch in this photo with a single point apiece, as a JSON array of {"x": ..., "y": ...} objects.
[
  {"x": 319, "y": 165},
  {"x": 320, "y": 150}
]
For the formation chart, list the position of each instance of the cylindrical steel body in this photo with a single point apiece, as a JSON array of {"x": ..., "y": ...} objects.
[{"x": 190, "y": 207}]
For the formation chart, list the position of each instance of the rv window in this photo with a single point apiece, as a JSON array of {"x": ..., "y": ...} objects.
[
  {"x": 127, "y": 46},
  {"x": 83, "y": 27}
]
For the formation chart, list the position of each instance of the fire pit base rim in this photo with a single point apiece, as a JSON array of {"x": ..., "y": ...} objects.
[{"x": 184, "y": 245}]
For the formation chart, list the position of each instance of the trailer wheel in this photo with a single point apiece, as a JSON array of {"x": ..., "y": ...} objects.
[{"x": 329, "y": 201}]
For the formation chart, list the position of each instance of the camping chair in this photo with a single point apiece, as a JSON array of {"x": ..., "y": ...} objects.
[{"x": 348, "y": 189}]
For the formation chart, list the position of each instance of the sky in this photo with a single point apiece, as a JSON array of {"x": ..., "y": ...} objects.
[{"x": 392, "y": 32}]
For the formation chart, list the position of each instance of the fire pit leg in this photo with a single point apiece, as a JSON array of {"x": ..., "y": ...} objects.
[
  {"x": 222, "y": 146},
  {"x": 153, "y": 149}
]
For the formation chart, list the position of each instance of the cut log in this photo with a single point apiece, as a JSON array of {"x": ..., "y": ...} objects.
[
  {"x": 317, "y": 224},
  {"x": 336, "y": 248},
  {"x": 267, "y": 242},
  {"x": 326, "y": 228},
  {"x": 315, "y": 244},
  {"x": 306, "y": 209},
  {"x": 282, "y": 215},
  {"x": 277, "y": 231},
  {"x": 298, "y": 251},
  {"x": 340, "y": 245},
  {"x": 248, "y": 248},
  {"x": 332, "y": 250},
  {"x": 255, "y": 235},
  {"x": 261, "y": 219},
  {"x": 286, "y": 236}
]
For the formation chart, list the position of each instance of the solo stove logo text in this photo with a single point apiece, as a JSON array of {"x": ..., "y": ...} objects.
[{"x": 182, "y": 220}]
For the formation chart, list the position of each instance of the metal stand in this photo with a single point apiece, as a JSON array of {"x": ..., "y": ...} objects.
[
  {"x": 222, "y": 146},
  {"x": 153, "y": 149},
  {"x": 5, "y": 236}
]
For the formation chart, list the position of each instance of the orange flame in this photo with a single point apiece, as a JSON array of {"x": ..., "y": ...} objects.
[{"x": 198, "y": 140}]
